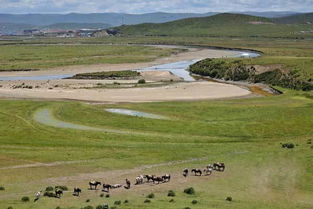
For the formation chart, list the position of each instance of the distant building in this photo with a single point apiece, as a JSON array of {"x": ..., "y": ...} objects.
[{"x": 31, "y": 32}]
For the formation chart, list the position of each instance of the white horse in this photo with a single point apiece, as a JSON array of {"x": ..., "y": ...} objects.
[{"x": 139, "y": 179}]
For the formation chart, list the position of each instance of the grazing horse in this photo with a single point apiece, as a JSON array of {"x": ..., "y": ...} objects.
[
  {"x": 208, "y": 171},
  {"x": 139, "y": 180},
  {"x": 185, "y": 172},
  {"x": 157, "y": 179},
  {"x": 37, "y": 196},
  {"x": 166, "y": 178},
  {"x": 127, "y": 184},
  {"x": 94, "y": 184},
  {"x": 58, "y": 193},
  {"x": 106, "y": 187},
  {"x": 77, "y": 191},
  {"x": 196, "y": 172},
  {"x": 149, "y": 177},
  {"x": 219, "y": 167}
]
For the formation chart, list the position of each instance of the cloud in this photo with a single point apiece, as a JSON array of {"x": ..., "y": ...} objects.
[{"x": 144, "y": 6}]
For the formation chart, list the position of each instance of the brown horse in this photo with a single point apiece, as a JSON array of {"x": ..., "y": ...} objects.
[
  {"x": 58, "y": 193},
  {"x": 197, "y": 172},
  {"x": 94, "y": 184},
  {"x": 106, "y": 187},
  {"x": 77, "y": 191},
  {"x": 185, "y": 172},
  {"x": 166, "y": 178},
  {"x": 157, "y": 179}
]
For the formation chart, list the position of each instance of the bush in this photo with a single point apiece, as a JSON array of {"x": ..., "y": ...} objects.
[
  {"x": 102, "y": 206},
  {"x": 147, "y": 201},
  {"x": 107, "y": 196},
  {"x": 101, "y": 195},
  {"x": 113, "y": 207},
  {"x": 171, "y": 193},
  {"x": 229, "y": 199},
  {"x": 190, "y": 191},
  {"x": 88, "y": 200},
  {"x": 64, "y": 188},
  {"x": 172, "y": 200},
  {"x": 142, "y": 81},
  {"x": 58, "y": 207},
  {"x": 10, "y": 207},
  {"x": 2, "y": 188},
  {"x": 49, "y": 194},
  {"x": 25, "y": 199},
  {"x": 150, "y": 196},
  {"x": 88, "y": 207},
  {"x": 187, "y": 208},
  {"x": 194, "y": 202},
  {"x": 126, "y": 201},
  {"x": 49, "y": 188},
  {"x": 118, "y": 202}
]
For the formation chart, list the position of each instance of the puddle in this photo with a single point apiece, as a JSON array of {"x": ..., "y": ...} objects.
[
  {"x": 35, "y": 78},
  {"x": 136, "y": 113}
]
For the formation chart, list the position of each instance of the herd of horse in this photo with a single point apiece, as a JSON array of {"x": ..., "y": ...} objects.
[{"x": 142, "y": 179}]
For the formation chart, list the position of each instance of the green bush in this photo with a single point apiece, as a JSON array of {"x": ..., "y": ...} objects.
[
  {"x": 187, "y": 208},
  {"x": 2, "y": 188},
  {"x": 171, "y": 193},
  {"x": 194, "y": 202},
  {"x": 49, "y": 194},
  {"x": 10, "y": 207},
  {"x": 101, "y": 195},
  {"x": 102, "y": 207},
  {"x": 107, "y": 196},
  {"x": 147, "y": 201},
  {"x": 118, "y": 202},
  {"x": 25, "y": 199},
  {"x": 150, "y": 196},
  {"x": 126, "y": 201},
  {"x": 190, "y": 191},
  {"x": 58, "y": 207},
  {"x": 229, "y": 199},
  {"x": 63, "y": 188},
  {"x": 49, "y": 188},
  {"x": 142, "y": 81},
  {"x": 113, "y": 207},
  {"x": 171, "y": 200},
  {"x": 88, "y": 200},
  {"x": 88, "y": 207}
]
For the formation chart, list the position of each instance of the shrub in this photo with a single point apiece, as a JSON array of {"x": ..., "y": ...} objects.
[
  {"x": 126, "y": 201},
  {"x": 49, "y": 188},
  {"x": 88, "y": 207},
  {"x": 113, "y": 207},
  {"x": 194, "y": 202},
  {"x": 190, "y": 191},
  {"x": 147, "y": 201},
  {"x": 25, "y": 199},
  {"x": 49, "y": 194},
  {"x": 118, "y": 202},
  {"x": 102, "y": 206},
  {"x": 229, "y": 199},
  {"x": 64, "y": 188},
  {"x": 142, "y": 81},
  {"x": 2, "y": 188},
  {"x": 58, "y": 207},
  {"x": 10, "y": 207},
  {"x": 171, "y": 193},
  {"x": 88, "y": 200},
  {"x": 150, "y": 196},
  {"x": 172, "y": 200},
  {"x": 101, "y": 195},
  {"x": 107, "y": 196},
  {"x": 187, "y": 208}
]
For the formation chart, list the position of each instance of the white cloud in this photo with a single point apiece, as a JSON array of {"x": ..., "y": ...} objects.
[{"x": 143, "y": 6}]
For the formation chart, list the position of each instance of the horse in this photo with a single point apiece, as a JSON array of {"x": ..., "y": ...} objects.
[
  {"x": 166, "y": 178},
  {"x": 149, "y": 177},
  {"x": 139, "y": 180},
  {"x": 58, "y": 193},
  {"x": 37, "y": 196},
  {"x": 94, "y": 184},
  {"x": 106, "y": 187},
  {"x": 157, "y": 179},
  {"x": 208, "y": 171},
  {"x": 219, "y": 167},
  {"x": 77, "y": 191},
  {"x": 185, "y": 172},
  {"x": 210, "y": 166},
  {"x": 196, "y": 172}
]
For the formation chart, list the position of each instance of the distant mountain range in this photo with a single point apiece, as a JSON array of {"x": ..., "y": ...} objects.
[{"x": 14, "y": 23}]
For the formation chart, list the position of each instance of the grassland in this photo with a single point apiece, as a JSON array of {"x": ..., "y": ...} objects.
[
  {"x": 16, "y": 57},
  {"x": 245, "y": 134},
  {"x": 108, "y": 75}
]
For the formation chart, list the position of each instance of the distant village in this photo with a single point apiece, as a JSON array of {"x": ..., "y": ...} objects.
[{"x": 70, "y": 33}]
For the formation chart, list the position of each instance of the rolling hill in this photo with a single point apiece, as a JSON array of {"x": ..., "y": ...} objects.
[
  {"x": 76, "y": 26},
  {"x": 226, "y": 24},
  {"x": 297, "y": 19}
]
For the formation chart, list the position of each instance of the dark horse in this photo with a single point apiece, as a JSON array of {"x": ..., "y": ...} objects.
[
  {"x": 157, "y": 179},
  {"x": 149, "y": 177},
  {"x": 58, "y": 193},
  {"x": 197, "y": 172},
  {"x": 127, "y": 184},
  {"x": 106, "y": 187},
  {"x": 185, "y": 172},
  {"x": 219, "y": 167},
  {"x": 166, "y": 178},
  {"x": 94, "y": 184},
  {"x": 77, "y": 191}
]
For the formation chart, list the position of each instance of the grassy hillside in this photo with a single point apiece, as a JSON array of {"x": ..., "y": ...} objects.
[
  {"x": 76, "y": 26},
  {"x": 296, "y": 19},
  {"x": 221, "y": 25}
]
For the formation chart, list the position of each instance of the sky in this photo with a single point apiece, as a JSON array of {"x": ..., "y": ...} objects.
[{"x": 147, "y": 6}]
